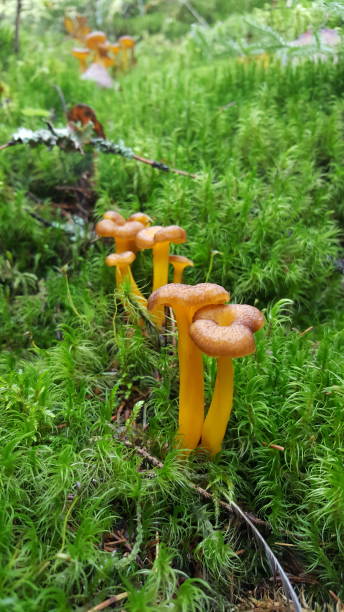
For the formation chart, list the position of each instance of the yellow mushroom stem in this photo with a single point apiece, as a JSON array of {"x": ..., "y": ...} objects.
[
  {"x": 220, "y": 409},
  {"x": 178, "y": 275},
  {"x": 160, "y": 276},
  {"x": 160, "y": 264},
  {"x": 125, "y": 236},
  {"x": 122, "y": 244},
  {"x": 191, "y": 385},
  {"x": 179, "y": 263}
]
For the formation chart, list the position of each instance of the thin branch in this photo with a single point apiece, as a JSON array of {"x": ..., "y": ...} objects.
[
  {"x": 161, "y": 166},
  {"x": 202, "y": 492},
  {"x": 68, "y": 139},
  {"x": 39, "y": 218},
  {"x": 6, "y": 145},
  {"x": 108, "y": 602},
  {"x": 233, "y": 508}
]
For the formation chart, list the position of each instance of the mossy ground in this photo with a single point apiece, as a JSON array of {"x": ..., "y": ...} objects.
[{"x": 77, "y": 377}]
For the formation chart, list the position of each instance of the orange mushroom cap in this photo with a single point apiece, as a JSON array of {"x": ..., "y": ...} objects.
[
  {"x": 114, "y": 216},
  {"x": 94, "y": 39},
  {"x": 120, "y": 259},
  {"x": 150, "y": 236},
  {"x": 127, "y": 42},
  {"x": 129, "y": 229},
  {"x": 226, "y": 330},
  {"x": 171, "y": 233},
  {"x": 179, "y": 263},
  {"x": 141, "y": 217},
  {"x": 80, "y": 53},
  {"x": 106, "y": 228},
  {"x": 189, "y": 297},
  {"x": 145, "y": 238},
  {"x": 180, "y": 260}
]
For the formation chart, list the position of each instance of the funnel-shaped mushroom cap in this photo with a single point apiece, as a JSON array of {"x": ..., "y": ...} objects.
[
  {"x": 141, "y": 217},
  {"x": 106, "y": 228},
  {"x": 94, "y": 39},
  {"x": 80, "y": 53},
  {"x": 114, "y": 216},
  {"x": 226, "y": 330},
  {"x": 171, "y": 233},
  {"x": 191, "y": 297},
  {"x": 120, "y": 259},
  {"x": 157, "y": 233},
  {"x": 128, "y": 230},
  {"x": 145, "y": 238},
  {"x": 128, "y": 42},
  {"x": 179, "y": 261}
]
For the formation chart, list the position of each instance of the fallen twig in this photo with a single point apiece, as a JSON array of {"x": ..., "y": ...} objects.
[
  {"x": 108, "y": 602},
  {"x": 154, "y": 461},
  {"x": 68, "y": 139},
  {"x": 233, "y": 508}
]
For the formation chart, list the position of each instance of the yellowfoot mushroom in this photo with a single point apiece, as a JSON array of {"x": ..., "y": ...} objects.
[
  {"x": 82, "y": 56},
  {"x": 158, "y": 239},
  {"x": 94, "y": 39},
  {"x": 127, "y": 45},
  {"x": 179, "y": 263},
  {"x": 105, "y": 228},
  {"x": 185, "y": 300},
  {"x": 114, "y": 216},
  {"x": 225, "y": 332},
  {"x": 141, "y": 217},
  {"x": 125, "y": 236},
  {"x": 122, "y": 262}
]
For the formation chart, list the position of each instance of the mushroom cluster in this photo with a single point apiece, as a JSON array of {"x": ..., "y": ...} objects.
[
  {"x": 135, "y": 234},
  {"x": 98, "y": 52},
  {"x": 206, "y": 324},
  {"x": 77, "y": 26}
]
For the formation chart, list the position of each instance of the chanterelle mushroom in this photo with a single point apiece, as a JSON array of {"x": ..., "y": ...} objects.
[
  {"x": 141, "y": 217},
  {"x": 179, "y": 263},
  {"x": 122, "y": 262},
  {"x": 106, "y": 228},
  {"x": 185, "y": 300},
  {"x": 158, "y": 239},
  {"x": 224, "y": 332},
  {"x": 125, "y": 236},
  {"x": 115, "y": 216},
  {"x": 81, "y": 55},
  {"x": 127, "y": 44},
  {"x": 94, "y": 39}
]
